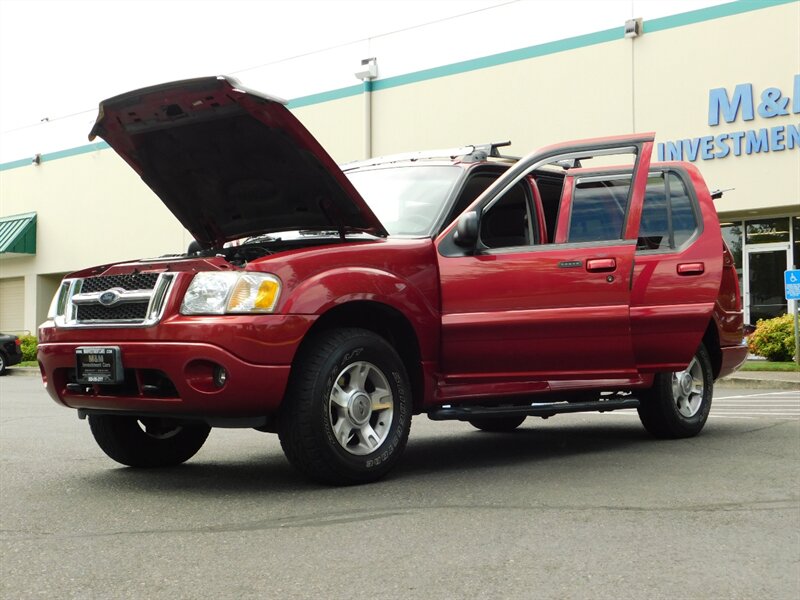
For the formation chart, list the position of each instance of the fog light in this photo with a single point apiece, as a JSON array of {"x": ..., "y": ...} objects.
[{"x": 220, "y": 376}]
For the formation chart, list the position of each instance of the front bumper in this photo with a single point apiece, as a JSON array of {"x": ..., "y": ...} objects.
[
  {"x": 175, "y": 378},
  {"x": 169, "y": 368},
  {"x": 14, "y": 359}
]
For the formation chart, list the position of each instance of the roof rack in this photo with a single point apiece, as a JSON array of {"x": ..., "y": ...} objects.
[
  {"x": 490, "y": 150},
  {"x": 471, "y": 153}
]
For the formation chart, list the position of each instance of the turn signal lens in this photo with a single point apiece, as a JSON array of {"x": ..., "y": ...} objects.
[{"x": 254, "y": 293}]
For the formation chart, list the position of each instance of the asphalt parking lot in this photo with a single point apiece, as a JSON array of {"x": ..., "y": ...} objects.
[{"x": 578, "y": 506}]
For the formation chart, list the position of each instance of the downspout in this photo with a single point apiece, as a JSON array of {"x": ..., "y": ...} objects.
[
  {"x": 368, "y": 72},
  {"x": 367, "y": 118},
  {"x": 633, "y": 29}
]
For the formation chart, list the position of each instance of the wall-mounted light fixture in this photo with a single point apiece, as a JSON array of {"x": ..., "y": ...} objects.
[
  {"x": 368, "y": 70},
  {"x": 37, "y": 159},
  {"x": 633, "y": 28}
]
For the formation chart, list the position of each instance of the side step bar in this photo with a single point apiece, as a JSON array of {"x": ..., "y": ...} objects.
[{"x": 544, "y": 409}]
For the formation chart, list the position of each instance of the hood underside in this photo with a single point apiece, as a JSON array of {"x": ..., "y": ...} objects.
[{"x": 229, "y": 162}]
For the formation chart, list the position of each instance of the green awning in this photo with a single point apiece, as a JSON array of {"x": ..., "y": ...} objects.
[{"x": 18, "y": 235}]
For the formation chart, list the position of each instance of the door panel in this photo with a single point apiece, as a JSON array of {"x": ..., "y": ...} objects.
[
  {"x": 542, "y": 312},
  {"x": 677, "y": 273},
  {"x": 537, "y": 312}
]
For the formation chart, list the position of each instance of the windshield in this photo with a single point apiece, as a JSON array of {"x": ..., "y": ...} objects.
[{"x": 407, "y": 200}]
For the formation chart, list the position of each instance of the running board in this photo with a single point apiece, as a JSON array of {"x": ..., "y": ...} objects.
[{"x": 544, "y": 409}]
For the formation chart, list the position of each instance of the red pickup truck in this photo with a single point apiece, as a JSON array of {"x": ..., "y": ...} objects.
[{"x": 330, "y": 304}]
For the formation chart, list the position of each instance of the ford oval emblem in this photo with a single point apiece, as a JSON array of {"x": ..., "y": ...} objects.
[{"x": 108, "y": 298}]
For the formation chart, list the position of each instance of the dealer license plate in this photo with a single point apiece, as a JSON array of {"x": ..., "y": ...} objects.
[{"x": 99, "y": 364}]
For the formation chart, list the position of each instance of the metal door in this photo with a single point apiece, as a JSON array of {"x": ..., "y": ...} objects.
[{"x": 763, "y": 281}]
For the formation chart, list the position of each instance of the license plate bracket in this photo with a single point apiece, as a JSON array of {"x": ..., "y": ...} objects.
[{"x": 98, "y": 365}]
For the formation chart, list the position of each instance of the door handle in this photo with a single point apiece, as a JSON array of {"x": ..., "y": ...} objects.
[
  {"x": 697, "y": 268},
  {"x": 601, "y": 264}
]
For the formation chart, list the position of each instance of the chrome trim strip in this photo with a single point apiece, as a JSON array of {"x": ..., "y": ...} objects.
[{"x": 123, "y": 297}]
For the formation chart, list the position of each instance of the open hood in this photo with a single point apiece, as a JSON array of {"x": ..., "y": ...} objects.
[{"x": 230, "y": 162}]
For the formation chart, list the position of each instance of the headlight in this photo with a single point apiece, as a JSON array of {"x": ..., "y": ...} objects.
[
  {"x": 59, "y": 304},
  {"x": 219, "y": 293}
]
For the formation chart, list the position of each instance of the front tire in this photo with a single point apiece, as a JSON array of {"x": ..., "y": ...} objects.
[
  {"x": 147, "y": 442},
  {"x": 347, "y": 413},
  {"x": 678, "y": 404}
]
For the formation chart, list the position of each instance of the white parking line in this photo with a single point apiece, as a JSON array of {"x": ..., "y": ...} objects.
[
  {"x": 766, "y": 414},
  {"x": 764, "y": 406},
  {"x": 788, "y": 395},
  {"x": 758, "y": 402},
  {"x": 716, "y": 415}
]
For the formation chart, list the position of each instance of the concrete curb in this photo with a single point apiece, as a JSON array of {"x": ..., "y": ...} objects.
[
  {"x": 24, "y": 371},
  {"x": 746, "y": 382}
]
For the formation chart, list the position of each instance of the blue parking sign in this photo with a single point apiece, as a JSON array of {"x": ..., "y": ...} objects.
[{"x": 791, "y": 280}]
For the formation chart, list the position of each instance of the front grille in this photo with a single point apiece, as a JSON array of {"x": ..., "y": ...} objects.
[
  {"x": 129, "y": 311},
  {"x": 129, "y": 300},
  {"x": 130, "y": 281}
]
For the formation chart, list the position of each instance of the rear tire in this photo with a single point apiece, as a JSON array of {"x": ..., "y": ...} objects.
[
  {"x": 678, "y": 404},
  {"x": 347, "y": 412},
  {"x": 147, "y": 442},
  {"x": 497, "y": 424}
]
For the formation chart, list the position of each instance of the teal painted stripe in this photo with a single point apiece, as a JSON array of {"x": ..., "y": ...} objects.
[
  {"x": 75, "y": 151},
  {"x": 56, "y": 155},
  {"x": 345, "y": 92},
  {"x": 15, "y": 163},
  {"x": 710, "y": 13},
  {"x": 590, "y": 39}
]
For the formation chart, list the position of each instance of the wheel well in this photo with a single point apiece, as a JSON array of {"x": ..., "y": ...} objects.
[
  {"x": 388, "y": 323},
  {"x": 711, "y": 342}
]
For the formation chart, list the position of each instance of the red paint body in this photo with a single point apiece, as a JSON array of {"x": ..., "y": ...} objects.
[
  {"x": 491, "y": 325},
  {"x": 507, "y": 322}
]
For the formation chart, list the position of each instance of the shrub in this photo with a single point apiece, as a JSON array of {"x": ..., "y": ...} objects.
[
  {"x": 773, "y": 338},
  {"x": 28, "y": 345}
]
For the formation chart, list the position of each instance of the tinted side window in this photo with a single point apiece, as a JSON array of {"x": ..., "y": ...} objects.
[
  {"x": 666, "y": 225},
  {"x": 508, "y": 223},
  {"x": 598, "y": 210}
]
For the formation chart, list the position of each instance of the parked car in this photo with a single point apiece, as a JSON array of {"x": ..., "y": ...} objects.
[
  {"x": 10, "y": 351},
  {"x": 330, "y": 304}
]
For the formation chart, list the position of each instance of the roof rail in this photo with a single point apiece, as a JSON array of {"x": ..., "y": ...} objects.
[{"x": 471, "y": 153}]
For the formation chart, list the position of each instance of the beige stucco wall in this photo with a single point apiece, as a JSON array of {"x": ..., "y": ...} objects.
[
  {"x": 92, "y": 208},
  {"x": 338, "y": 125},
  {"x": 531, "y": 102},
  {"x": 673, "y": 72}
]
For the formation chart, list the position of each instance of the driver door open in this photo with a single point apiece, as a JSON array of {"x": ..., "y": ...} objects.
[{"x": 530, "y": 316}]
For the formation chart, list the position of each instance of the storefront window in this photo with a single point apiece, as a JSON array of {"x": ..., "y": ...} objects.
[
  {"x": 768, "y": 230},
  {"x": 732, "y": 234},
  {"x": 796, "y": 238}
]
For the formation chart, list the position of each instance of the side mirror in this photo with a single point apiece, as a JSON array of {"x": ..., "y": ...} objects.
[{"x": 466, "y": 234}]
